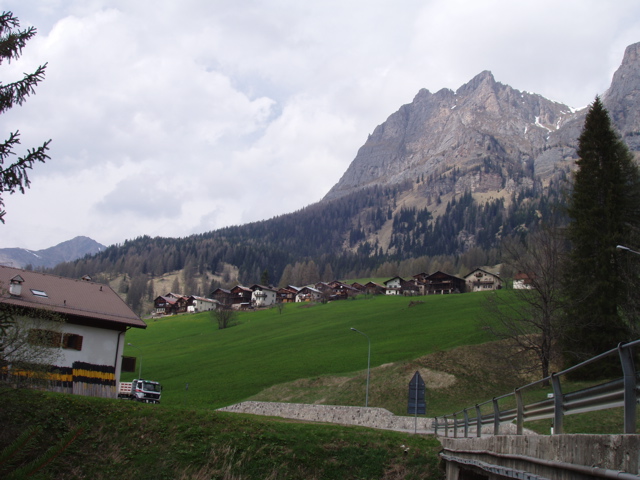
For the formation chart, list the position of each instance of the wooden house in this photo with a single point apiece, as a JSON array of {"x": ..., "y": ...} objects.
[
  {"x": 241, "y": 295},
  {"x": 222, "y": 296},
  {"x": 373, "y": 288},
  {"x": 170, "y": 304},
  {"x": 308, "y": 294},
  {"x": 440, "y": 283},
  {"x": 287, "y": 294}
]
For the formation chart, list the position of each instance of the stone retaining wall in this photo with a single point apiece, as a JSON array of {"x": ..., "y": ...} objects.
[{"x": 362, "y": 416}]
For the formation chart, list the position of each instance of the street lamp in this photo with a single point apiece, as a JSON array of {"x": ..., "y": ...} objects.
[
  {"x": 140, "y": 368},
  {"x": 622, "y": 247},
  {"x": 366, "y": 401}
]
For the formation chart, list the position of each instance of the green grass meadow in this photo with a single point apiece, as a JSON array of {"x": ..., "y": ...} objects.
[
  {"x": 305, "y": 354},
  {"x": 222, "y": 367}
]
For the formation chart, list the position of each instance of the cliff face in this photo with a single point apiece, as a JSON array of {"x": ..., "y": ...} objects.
[{"x": 486, "y": 135}]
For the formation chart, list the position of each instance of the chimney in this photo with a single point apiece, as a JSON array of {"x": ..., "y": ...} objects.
[{"x": 15, "y": 285}]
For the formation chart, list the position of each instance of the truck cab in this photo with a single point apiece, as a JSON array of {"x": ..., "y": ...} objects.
[{"x": 146, "y": 391}]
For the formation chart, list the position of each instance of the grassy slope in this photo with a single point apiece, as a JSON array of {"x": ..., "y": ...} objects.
[
  {"x": 223, "y": 367},
  {"x": 121, "y": 439}
]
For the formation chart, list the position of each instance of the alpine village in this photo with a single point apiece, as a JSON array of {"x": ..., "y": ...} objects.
[{"x": 454, "y": 242}]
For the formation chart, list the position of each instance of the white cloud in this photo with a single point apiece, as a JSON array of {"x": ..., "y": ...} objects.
[{"x": 171, "y": 118}]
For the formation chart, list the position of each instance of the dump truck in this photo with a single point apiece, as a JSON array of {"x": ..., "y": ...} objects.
[{"x": 140, "y": 390}]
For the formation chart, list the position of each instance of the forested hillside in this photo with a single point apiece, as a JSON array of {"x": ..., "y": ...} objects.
[{"x": 333, "y": 239}]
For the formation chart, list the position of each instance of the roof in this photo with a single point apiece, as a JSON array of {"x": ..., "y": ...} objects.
[
  {"x": 257, "y": 286},
  {"x": 203, "y": 299},
  {"x": 91, "y": 301},
  {"x": 483, "y": 271}
]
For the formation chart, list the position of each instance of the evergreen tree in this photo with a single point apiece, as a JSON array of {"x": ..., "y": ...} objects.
[
  {"x": 604, "y": 211},
  {"x": 13, "y": 177},
  {"x": 264, "y": 278}
]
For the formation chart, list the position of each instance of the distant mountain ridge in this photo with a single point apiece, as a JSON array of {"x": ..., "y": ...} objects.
[{"x": 67, "y": 251}]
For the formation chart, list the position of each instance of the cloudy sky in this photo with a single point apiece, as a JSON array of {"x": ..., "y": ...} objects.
[{"x": 170, "y": 118}]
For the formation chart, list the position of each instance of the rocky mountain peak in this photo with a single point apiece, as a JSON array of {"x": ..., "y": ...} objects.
[
  {"x": 484, "y": 78},
  {"x": 513, "y": 138},
  {"x": 483, "y": 123},
  {"x": 622, "y": 99}
]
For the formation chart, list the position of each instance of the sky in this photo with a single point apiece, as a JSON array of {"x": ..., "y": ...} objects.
[{"x": 172, "y": 118}]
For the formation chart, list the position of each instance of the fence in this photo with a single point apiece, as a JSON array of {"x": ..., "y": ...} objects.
[{"x": 622, "y": 392}]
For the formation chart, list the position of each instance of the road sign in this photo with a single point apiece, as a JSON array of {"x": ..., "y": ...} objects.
[{"x": 417, "y": 404}]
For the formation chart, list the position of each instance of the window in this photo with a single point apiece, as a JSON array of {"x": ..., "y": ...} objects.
[
  {"x": 72, "y": 341},
  {"x": 39, "y": 293}
]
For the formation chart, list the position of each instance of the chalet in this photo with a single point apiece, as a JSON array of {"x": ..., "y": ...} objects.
[
  {"x": 263, "y": 296},
  {"x": 91, "y": 338},
  {"x": 287, "y": 294},
  {"x": 326, "y": 290},
  {"x": 200, "y": 304},
  {"x": 308, "y": 294},
  {"x": 393, "y": 286},
  {"x": 222, "y": 296},
  {"x": 420, "y": 278},
  {"x": 439, "y": 283},
  {"x": 358, "y": 286},
  {"x": 170, "y": 304},
  {"x": 481, "y": 281},
  {"x": 410, "y": 288},
  {"x": 241, "y": 295},
  {"x": 343, "y": 291},
  {"x": 523, "y": 281},
  {"x": 373, "y": 288},
  {"x": 163, "y": 305}
]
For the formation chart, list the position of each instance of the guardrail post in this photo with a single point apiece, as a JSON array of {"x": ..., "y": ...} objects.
[
  {"x": 466, "y": 423},
  {"x": 496, "y": 417},
  {"x": 520, "y": 412},
  {"x": 630, "y": 385},
  {"x": 455, "y": 425},
  {"x": 478, "y": 421},
  {"x": 446, "y": 426},
  {"x": 558, "y": 404}
]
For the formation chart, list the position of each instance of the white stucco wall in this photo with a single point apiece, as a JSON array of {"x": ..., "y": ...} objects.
[
  {"x": 99, "y": 346},
  {"x": 269, "y": 298}
]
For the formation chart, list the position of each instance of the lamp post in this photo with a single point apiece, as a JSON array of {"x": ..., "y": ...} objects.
[
  {"x": 140, "y": 368},
  {"x": 366, "y": 401},
  {"x": 622, "y": 247}
]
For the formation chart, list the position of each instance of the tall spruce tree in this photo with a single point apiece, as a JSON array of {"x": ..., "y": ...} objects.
[
  {"x": 604, "y": 211},
  {"x": 13, "y": 177}
]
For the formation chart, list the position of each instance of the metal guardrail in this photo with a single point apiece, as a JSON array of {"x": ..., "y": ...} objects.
[{"x": 623, "y": 392}]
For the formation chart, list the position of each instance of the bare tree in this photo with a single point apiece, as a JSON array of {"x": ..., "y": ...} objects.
[
  {"x": 531, "y": 322},
  {"x": 30, "y": 345},
  {"x": 225, "y": 317}
]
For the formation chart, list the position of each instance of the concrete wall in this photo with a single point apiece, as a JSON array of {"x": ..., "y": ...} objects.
[
  {"x": 366, "y": 417},
  {"x": 556, "y": 456}
]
